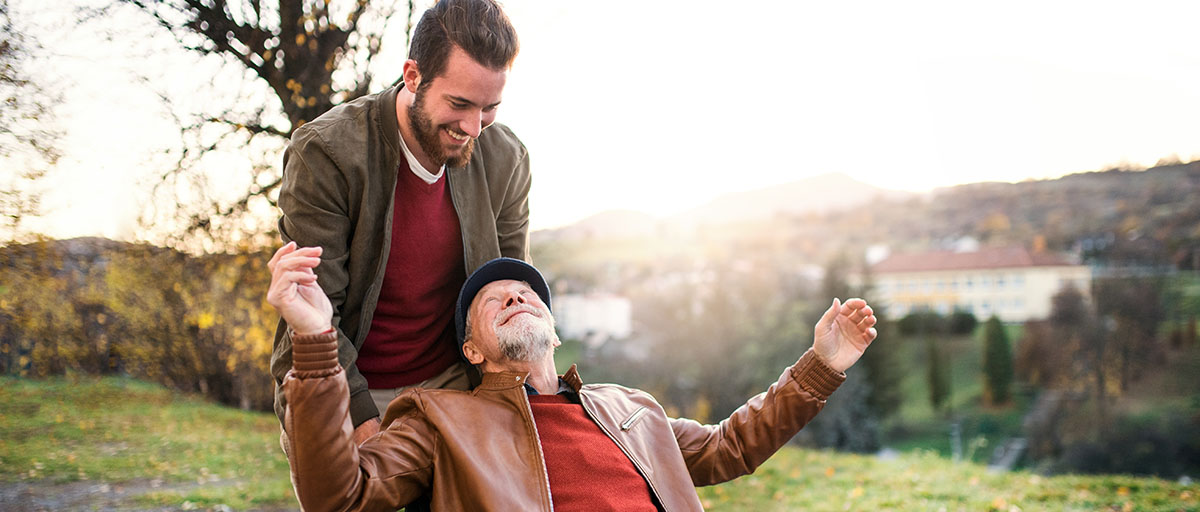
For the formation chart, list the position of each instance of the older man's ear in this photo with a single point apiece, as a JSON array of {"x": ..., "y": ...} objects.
[{"x": 473, "y": 355}]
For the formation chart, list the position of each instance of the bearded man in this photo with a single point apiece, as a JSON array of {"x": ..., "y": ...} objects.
[
  {"x": 527, "y": 438},
  {"x": 407, "y": 191}
]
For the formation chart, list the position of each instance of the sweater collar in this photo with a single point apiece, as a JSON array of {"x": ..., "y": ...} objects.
[{"x": 508, "y": 380}]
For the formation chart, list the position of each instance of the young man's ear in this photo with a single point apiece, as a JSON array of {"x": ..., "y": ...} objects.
[
  {"x": 474, "y": 356},
  {"x": 412, "y": 76}
]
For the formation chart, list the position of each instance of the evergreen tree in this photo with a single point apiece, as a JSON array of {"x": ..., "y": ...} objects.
[
  {"x": 939, "y": 384},
  {"x": 997, "y": 363},
  {"x": 883, "y": 372}
]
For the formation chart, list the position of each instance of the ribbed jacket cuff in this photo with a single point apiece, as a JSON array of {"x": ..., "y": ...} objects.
[
  {"x": 315, "y": 355},
  {"x": 815, "y": 376}
]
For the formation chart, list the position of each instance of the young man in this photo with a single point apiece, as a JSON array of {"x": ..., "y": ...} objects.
[
  {"x": 526, "y": 438},
  {"x": 408, "y": 191}
]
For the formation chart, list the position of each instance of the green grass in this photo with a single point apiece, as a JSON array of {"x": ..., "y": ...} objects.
[
  {"x": 815, "y": 480},
  {"x": 119, "y": 430}
]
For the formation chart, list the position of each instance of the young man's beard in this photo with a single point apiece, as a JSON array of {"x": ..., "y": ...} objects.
[
  {"x": 428, "y": 137},
  {"x": 525, "y": 339}
]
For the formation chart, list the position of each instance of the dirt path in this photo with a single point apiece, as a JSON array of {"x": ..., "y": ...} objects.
[{"x": 35, "y": 496}]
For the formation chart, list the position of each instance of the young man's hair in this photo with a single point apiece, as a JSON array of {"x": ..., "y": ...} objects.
[{"x": 479, "y": 27}]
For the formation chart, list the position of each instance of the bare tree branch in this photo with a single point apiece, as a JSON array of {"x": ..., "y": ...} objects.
[{"x": 309, "y": 55}]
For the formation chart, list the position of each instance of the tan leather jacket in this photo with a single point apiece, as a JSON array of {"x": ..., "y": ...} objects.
[
  {"x": 479, "y": 450},
  {"x": 338, "y": 190}
]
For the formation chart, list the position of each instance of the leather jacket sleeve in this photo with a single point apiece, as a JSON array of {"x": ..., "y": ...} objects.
[
  {"x": 756, "y": 430},
  {"x": 329, "y": 471},
  {"x": 312, "y": 199}
]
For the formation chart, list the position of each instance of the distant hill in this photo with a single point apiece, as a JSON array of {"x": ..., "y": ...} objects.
[
  {"x": 819, "y": 194},
  {"x": 604, "y": 225},
  {"x": 1116, "y": 219}
]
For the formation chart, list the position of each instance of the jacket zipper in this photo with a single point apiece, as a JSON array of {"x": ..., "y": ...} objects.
[
  {"x": 627, "y": 424},
  {"x": 461, "y": 231},
  {"x": 583, "y": 400},
  {"x": 372, "y": 296},
  {"x": 537, "y": 443}
]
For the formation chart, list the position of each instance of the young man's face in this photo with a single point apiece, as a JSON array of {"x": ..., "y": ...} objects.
[
  {"x": 450, "y": 112},
  {"x": 509, "y": 321}
]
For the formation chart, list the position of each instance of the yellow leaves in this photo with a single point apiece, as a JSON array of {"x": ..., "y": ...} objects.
[
  {"x": 205, "y": 320},
  {"x": 1122, "y": 491},
  {"x": 58, "y": 418},
  {"x": 857, "y": 492}
]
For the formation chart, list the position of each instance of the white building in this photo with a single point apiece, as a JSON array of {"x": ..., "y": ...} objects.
[
  {"x": 1013, "y": 283},
  {"x": 593, "y": 318}
]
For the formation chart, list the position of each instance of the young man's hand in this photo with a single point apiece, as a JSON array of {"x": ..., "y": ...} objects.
[{"x": 844, "y": 332}]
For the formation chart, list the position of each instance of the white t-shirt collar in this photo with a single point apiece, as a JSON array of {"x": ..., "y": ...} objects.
[{"x": 416, "y": 166}]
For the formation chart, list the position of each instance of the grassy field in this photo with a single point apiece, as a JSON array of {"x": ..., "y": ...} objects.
[
  {"x": 111, "y": 431},
  {"x": 181, "y": 453}
]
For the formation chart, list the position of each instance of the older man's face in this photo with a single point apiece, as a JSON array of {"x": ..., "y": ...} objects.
[{"x": 509, "y": 321}]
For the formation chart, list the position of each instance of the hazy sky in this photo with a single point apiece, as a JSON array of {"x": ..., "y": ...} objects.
[{"x": 662, "y": 106}]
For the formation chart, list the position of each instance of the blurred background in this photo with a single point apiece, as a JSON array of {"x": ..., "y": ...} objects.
[{"x": 1014, "y": 187}]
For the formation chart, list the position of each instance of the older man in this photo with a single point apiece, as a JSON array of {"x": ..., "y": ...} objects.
[{"x": 527, "y": 438}]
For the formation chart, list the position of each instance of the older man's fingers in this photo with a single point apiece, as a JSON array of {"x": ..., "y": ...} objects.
[
  {"x": 855, "y": 303},
  {"x": 285, "y": 284},
  {"x": 866, "y": 322},
  {"x": 280, "y": 253},
  {"x": 296, "y": 261},
  {"x": 291, "y": 250}
]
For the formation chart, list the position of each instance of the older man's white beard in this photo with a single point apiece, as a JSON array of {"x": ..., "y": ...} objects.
[{"x": 525, "y": 338}]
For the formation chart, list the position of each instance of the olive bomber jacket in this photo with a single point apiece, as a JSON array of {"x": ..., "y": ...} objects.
[{"x": 479, "y": 450}]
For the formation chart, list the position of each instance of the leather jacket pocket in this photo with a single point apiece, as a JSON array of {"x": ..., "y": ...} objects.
[{"x": 633, "y": 418}]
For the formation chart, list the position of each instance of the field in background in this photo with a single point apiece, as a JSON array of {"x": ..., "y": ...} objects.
[{"x": 72, "y": 441}]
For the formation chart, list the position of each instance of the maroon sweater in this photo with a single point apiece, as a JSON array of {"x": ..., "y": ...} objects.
[
  {"x": 412, "y": 334},
  {"x": 587, "y": 470}
]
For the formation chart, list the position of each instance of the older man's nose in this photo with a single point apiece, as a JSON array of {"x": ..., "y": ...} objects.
[{"x": 514, "y": 298}]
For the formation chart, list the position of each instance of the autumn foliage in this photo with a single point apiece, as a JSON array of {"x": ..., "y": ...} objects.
[{"x": 93, "y": 306}]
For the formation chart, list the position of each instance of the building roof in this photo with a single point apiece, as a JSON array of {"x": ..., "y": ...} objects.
[{"x": 988, "y": 258}]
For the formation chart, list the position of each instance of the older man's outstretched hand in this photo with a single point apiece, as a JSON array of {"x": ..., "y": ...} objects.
[
  {"x": 294, "y": 292},
  {"x": 844, "y": 332}
]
